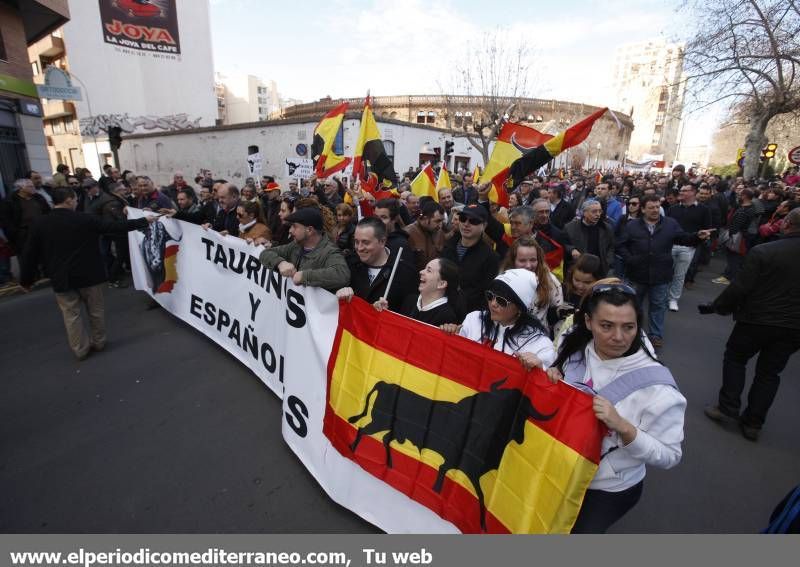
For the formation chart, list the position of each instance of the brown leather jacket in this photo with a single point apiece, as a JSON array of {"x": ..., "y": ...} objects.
[{"x": 426, "y": 246}]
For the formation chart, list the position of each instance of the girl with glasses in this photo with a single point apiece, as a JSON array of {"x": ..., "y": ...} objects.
[
  {"x": 506, "y": 323},
  {"x": 636, "y": 398}
]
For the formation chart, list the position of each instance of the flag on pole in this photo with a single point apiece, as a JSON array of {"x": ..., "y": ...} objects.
[
  {"x": 444, "y": 179},
  {"x": 476, "y": 175},
  {"x": 326, "y": 162},
  {"x": 370, "y": 150},
  {"x": 424, "y": 185},
  {"x": 457, "y": 426},
  {"x": 536, "y": 157},
  {"x": 512, "y": 142}
]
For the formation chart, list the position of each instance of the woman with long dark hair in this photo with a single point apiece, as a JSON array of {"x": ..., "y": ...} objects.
[
  {"x": 438, "y": 284},
  {"x": 635, "y": 396},
  {"x": 506, "y": 324}
]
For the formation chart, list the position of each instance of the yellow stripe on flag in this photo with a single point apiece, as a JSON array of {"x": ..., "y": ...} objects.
[{"x": 423, "y": 184}]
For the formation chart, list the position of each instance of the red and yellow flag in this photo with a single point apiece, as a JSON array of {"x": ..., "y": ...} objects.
[
  {"x": 513, "y": 141},
  {"x": 535, "y": 158},
  {"x": 457, "y": 426},
  {"x": 326, "y": 162},
  {"x": 443, "y": 182},
  {"x": 370, "y": 150},
  {"x": 424, "y": 184}
]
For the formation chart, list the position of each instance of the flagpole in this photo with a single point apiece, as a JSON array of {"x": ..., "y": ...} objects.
[{"x": 391, "y": 276}]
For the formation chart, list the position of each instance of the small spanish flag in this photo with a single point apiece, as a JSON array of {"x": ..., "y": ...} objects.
[
  {"x": 170, "y": 269},
  {"x": 513, "y": 141},
  {"x": 444, "y": 179},
  {"x": 535, "y": 158},
  {"x": 458, "y": 426},
  {"x": 326, "y": 162},
  {"x": 370, "y": 150},
  {"x": 476, "y": 175},
  {"x": 424, "y": 184}
]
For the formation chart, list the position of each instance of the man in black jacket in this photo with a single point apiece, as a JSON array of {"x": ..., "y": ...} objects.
[
  {"x": 224, "y": 220},
  {"x": 371, "y": 267},
  {"x": 765, "y": 303},
  {"x": 561, "y": 212},
  {"x": 645, "y": 246},
  {"x": 692, "y": 217},
  {"x": 477, "y": 264},
  {"x": 19, "y": 212},
  {"x": 67, "y": 243},
  {"x": 590, "y": 234}
]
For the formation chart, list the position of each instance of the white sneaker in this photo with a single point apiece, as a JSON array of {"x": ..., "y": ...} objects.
[{"x": 673, "y": 305}]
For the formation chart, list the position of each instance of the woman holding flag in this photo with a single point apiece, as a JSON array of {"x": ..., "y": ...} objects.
[{"x": 634, "y": 395}]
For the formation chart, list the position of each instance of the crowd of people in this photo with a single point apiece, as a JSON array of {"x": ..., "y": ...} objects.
[{"x": 561, "y": 276}]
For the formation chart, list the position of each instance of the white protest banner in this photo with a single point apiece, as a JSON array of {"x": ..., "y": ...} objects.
[
  {"x": 254, "y": 164},
  {"x": 298, "y": 168},
  {"x": 284, "y": 334}
]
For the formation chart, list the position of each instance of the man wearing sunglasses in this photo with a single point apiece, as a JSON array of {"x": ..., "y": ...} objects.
[{"x": 477, "y": 263}]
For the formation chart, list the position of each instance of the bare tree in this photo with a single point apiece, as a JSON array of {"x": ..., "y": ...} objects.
[
  {"x": 485, "y": 86},
  {"x": 747, "y": 53}
]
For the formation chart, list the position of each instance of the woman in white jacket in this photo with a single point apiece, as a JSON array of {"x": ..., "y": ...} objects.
[
  {"x": 506, "y": 324},
  {"x": 634, "y": 396}
]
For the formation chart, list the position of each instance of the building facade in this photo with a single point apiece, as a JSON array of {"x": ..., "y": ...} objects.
[
  {"x": 142, "y": 67},
  {"x": 783, "y": 130},
  {"x": 606, "y": 145},
  {"x": 648, "y": 87},
  {"x": 22, "y": 141},
  {"x": 60, "y": 117},
  {"x": 245, "y": 98}
]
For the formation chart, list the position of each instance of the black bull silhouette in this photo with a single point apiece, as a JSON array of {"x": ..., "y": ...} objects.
[{"x": 471, "y": 435}]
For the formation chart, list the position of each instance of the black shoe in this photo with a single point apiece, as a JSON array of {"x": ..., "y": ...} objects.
[
  {"x": 716, "y": 414},
  {"x": 750, "y": 433}
]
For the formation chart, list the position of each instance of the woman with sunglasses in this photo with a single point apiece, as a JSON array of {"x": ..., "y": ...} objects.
[
  {"x": 633, "y": 395},
  {"x": 252, "y": 223},
  {"x": 506, "y": 324}
]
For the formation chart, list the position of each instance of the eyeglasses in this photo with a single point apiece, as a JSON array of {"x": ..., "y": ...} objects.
[
  {"x": 471, "y": 220},
  {"x": 607, "y": 288},
  {"x": 633, "y": 203},
  {"x": 501, "y": 301}
]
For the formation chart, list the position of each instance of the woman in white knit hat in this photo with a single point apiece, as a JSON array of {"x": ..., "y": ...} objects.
[{"x": 506, "y": 324}]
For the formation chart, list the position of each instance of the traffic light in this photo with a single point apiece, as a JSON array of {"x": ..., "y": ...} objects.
[
  {"x": 448, "y": 149},
  {"x": 115, "y": 137},
  {"x": 769, "y": 151}
]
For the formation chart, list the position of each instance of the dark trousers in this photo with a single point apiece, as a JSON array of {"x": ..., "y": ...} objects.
[
  {"x": 774, "y": 346},
  {"x": 702, "y": 256},
  {"x": 733, "y": 265},
  {"x": 602, "y": 509}
]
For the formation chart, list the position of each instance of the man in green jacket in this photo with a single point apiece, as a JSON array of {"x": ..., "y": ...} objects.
[{"x": 311, "y": 258}]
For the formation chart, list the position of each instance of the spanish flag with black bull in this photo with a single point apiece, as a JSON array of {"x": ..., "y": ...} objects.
[
  {"x": 326, "y": 161},
  {"x": 458, "y": 427}
]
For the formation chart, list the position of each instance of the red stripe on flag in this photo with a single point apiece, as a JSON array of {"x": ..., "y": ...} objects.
[
  {"x": 411, "y": 477},
  {"x": 472, "y": 365},
  {"x": 578, "y": 133}
]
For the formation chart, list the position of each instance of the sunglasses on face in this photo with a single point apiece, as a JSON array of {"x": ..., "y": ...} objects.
[
  {"x": 633, "y": 203},
  {"x": 501, "y": 301},
  {"x": 471, "y": 220}
]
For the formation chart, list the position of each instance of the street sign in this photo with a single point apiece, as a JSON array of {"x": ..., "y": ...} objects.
[
  {"x": 794, "y": 155},
  {"x": 58, "y": 86}
]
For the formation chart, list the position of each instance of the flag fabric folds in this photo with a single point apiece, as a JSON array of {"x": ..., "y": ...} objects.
[
  {"x": 443, "y": 182},
  {"x": 370, "y": 150},
  {"x": 326, "y": 162},
  {"x": 457, "y": 426},
  {"x": 424, "y": 184},
  {"x": 535, "y": 158},
  {"x": 512, "y": 142}
]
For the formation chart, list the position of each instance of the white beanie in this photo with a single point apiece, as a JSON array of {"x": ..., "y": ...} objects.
[{"x": 522, "y": 283}]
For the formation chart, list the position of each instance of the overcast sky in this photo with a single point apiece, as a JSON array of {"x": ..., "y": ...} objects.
[{"x": 340, "y": 48}]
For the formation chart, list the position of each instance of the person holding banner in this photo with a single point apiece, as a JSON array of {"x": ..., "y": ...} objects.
[
  {"x": 310, "y": 258},
  {"x": 635, "y": 396},
  {"x": 507, "y": 324},
  {"x": 67, "y": 243}
]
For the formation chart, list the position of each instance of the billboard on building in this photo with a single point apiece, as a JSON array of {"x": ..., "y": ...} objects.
[{"x": 141, "y": 25}]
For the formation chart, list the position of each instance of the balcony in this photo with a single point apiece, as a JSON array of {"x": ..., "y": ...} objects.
[
  {"x": 51, "y": 47},
  {"x": 57, "y": 109}
]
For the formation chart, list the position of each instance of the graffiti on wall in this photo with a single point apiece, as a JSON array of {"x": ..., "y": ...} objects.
[{"x": 100, "y": 124}]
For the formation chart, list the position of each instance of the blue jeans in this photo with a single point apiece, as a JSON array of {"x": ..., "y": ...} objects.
[
  {"x": 681, "y": 259},
  {"x": 657, "y": 306}
]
